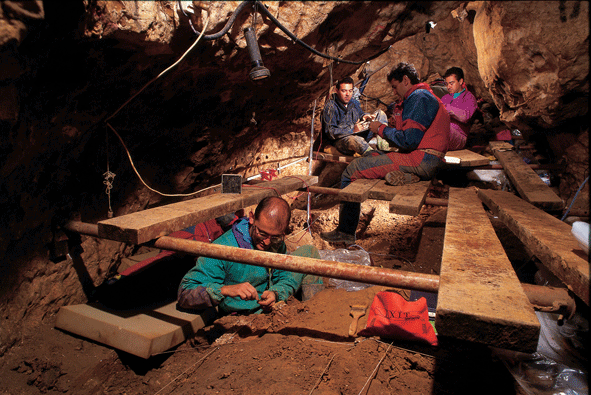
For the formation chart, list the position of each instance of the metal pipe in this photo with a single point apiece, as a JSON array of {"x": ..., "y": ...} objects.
[
  {"x": 436, "y": 201},
  {"x": 320, "y": 267},
  {"x": 335, "y": 191},
  {"x": 553, "y": 299},
  {"x": 541, "y": 297},
  {"x": 82, "y": 228},
  {"x": 322, "y": 190}
]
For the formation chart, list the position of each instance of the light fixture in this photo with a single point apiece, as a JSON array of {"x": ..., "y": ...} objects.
[{"x": 259, "y": 71}]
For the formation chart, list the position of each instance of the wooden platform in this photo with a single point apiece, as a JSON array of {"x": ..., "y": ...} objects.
[
  {"x": 466, "y": 157},
  {"x": 480, "y": 298},
  {"x": 548, "y": 238},
  {"x": 146, "y": 225},
  {"x": 358, "y": 190},
  {"x": 525, "y": 180},
  {"x": 410, "y": 198},
  {"x": 383, "y": 191},
  {"x": 404, "y": 199},
  {"x": 332, "y": 158},
  {"x": 139, "y": 332}
]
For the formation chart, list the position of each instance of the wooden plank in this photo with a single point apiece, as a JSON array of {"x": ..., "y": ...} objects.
[
  {"x": 410, "y": 198},
  {"x": 467, "y": 158},
  {"x": 383, "y": 191},
  {"x": 143, "y": 226},
  {"x": 358, "y": 190},
  {"x": 480, "y": 298},
  {"x": 332, "y": 158},
  {"x": 545, "y": 236},
  {"x": 500, "y": 146},
  {"x": 143, "y": 333},
  {"x": 146, "y": 225},
  {"x": 526, "y": 181}
]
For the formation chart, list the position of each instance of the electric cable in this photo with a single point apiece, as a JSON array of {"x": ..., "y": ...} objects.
[
  {"x": 138, "y": 174},
  {"x": 214, "y": 36},
  {"x": 161, "y": 74},
  {"x": 574, "y": 198},
  {"x": 263, "y": 10},
  {"x": 226, "y": 27}
]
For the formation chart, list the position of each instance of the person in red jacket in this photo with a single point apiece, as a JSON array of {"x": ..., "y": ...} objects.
[{"x": 420, "y": 131}]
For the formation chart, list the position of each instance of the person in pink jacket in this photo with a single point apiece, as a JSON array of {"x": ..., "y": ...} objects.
[{"x": 461, "y": 105}]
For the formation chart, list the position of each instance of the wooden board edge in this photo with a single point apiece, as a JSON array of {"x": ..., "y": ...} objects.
[{"x": 523, "y": 338}]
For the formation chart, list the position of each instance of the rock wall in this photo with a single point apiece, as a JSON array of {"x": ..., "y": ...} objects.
[
  {"x": 534, "y": 59},
  {"x": 65, "y": 70}
]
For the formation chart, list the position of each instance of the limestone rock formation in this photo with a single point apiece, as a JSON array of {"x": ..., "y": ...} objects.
[{"x": 534, "y": 59}]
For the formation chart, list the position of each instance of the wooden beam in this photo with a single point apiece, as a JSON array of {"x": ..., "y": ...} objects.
[
  {"x": 545, "y": 236},
  {"x": 383, "y": 191},
  {"x": 358, "y": 190},
  {"x": 467, "y": 158},
  {"x": 332, "y": 158},
  {"x": 526, "y": 181},
  {"x": 410, "y": 198},
  {"x": 143, "y": 333},
  {"x": 480, "y": 297},
  {"x": 143, "y": 226}
]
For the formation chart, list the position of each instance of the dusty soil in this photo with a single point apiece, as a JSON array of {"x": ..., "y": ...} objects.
[{"x": 301, "y": 348}]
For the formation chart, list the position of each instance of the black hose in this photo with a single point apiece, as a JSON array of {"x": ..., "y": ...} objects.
[
  {"x": 293, "y": 37},
  {"x": 264, "y": 10},
  {"x": 226, "y": 28}
]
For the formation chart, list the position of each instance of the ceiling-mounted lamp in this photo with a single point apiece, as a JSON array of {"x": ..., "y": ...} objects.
[{"x": 259, "y": 71}]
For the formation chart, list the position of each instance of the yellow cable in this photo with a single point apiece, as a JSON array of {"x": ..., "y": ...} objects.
[
  {"x": 137, "y": 93},
  {"x": 140, "y": 177},
  {"x": 162, "y": 73}
]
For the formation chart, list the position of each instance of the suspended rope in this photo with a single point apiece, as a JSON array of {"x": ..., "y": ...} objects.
[
  {"x": 109, "y": 178},
  {"x": 310, "y": 167}
]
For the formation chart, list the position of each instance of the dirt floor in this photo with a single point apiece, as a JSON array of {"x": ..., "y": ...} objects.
[{"x": 300, "y": 348}]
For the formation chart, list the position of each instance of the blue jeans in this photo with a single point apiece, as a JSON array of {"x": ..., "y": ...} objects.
[{"x": 358, "y": 143}]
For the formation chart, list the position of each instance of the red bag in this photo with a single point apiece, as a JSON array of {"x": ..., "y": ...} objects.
[{"x": 390, "y": 315}]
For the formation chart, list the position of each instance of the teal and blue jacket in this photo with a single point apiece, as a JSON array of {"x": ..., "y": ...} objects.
[{"x": 200, "y": 287}]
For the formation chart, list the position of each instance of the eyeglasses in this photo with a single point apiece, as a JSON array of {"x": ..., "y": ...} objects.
[{"x": 273, "y": 239}]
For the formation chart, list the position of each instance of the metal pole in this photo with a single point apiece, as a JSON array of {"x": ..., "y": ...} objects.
[
  {"x": 335, "y": 191},
  {"x": 543, "y": 298},
  {"x": 320, "y": 267}
]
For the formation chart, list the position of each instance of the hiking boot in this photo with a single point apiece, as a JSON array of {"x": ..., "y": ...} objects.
[
  {"x": 336, "y": 236},
  {"x": 398, "y": 177}
]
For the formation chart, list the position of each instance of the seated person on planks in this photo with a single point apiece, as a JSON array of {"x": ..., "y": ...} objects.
[
  {"x": 461, "y": 106},
  {"x": 420, "y": 131},
  {"x": 240, "y": 287},
  {"x": 344, "y": 123}
]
